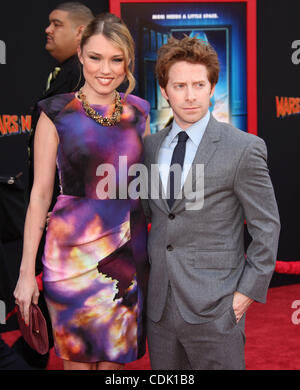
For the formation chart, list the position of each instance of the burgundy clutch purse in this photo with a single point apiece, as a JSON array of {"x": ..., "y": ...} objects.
[{"x": 36, "y": 334}]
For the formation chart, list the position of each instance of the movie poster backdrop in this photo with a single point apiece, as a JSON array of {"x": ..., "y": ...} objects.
[{"x": 221, "y": 24}]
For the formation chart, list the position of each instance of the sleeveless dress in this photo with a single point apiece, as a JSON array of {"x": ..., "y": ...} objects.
[{"x": 95, "y": 265}]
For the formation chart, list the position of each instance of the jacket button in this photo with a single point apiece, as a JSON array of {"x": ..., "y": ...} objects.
[
  {"x": 169, "y": 248},
  {"x": 171, "y": 216}
]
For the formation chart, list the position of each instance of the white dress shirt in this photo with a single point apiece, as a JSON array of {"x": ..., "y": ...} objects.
[{"x": 195, "y": 133}]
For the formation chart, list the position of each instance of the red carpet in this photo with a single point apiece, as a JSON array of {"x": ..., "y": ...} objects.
[
  {"x": 272, "y": 332},
  {"x": 273, "y": 340}
]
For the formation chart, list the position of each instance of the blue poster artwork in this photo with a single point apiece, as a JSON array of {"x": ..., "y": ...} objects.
[{"x": 223, "y": 25}]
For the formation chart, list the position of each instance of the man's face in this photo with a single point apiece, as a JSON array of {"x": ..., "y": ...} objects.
[
  {"x": 188, "y": 92},
  {"x": 62, "y": 36}
]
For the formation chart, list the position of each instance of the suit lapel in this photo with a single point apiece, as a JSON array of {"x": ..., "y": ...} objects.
[
  {"x": 204, "y": 153},
  {"x": 154, "y": 170},
  {"x": 55, "y": 86},
  {"x": 61, "y": 83}
]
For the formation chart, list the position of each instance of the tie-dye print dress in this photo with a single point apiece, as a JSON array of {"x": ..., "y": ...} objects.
[{"x": 95, "y": 266}]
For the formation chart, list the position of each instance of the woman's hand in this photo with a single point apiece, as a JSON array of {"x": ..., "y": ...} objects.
[{"x": 26, "y": 292}]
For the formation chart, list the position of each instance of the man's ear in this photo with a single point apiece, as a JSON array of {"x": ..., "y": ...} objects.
[
  {"x": 164, "y": 93},
  {"x": 78, "y": 34},
  {"x": 80, "y": 30}
]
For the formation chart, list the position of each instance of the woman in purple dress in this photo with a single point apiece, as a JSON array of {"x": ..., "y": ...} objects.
[{"x": 95, "y": 261}]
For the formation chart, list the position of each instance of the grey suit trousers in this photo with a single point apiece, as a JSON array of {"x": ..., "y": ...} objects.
[{"x": 177, "y": 345}]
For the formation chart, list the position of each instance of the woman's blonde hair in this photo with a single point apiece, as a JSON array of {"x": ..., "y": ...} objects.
[{"x": 114, "y": 29}]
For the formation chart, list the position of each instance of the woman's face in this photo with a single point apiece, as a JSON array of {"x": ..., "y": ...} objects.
[{"x": 103, "y": 68}]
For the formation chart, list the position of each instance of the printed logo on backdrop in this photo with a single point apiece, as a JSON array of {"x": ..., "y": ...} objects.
[
  {"x": 289, "y": 105},
  {"x": 2, "y": 53},
  {"x": 14, "y": 124}
]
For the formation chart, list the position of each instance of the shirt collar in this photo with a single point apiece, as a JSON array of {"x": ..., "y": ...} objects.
[{"x": 195, "y": 131}]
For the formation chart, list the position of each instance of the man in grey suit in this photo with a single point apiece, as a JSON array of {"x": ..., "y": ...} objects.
[{"x": 201, "y": 280}]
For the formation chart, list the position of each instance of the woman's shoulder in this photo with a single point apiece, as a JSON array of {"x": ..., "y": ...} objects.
[
  {"x": 142, "y": 105},
  {"x": 53, "y": 105}
]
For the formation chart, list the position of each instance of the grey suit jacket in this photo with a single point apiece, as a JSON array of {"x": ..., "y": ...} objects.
[{"x": 201, "y": 252}]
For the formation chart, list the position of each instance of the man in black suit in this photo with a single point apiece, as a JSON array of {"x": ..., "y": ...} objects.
[{"x": 66, "y": 24}]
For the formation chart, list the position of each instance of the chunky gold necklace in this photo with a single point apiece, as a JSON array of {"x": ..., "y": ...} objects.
[{"x": 102, "y": 120}]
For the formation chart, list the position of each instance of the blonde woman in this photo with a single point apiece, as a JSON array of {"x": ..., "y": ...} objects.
[{"x": 95, "y": 262}]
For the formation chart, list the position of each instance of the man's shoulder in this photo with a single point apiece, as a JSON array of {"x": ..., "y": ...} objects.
[
  {"x": 236, "y": 136},
  {"x": 154, "y": 138},
  {"x": 69, "y": 79},
  {"x": 72, "y": 64}
]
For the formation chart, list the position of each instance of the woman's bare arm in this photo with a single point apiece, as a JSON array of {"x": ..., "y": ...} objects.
[{"x": 45, "y": 151}]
